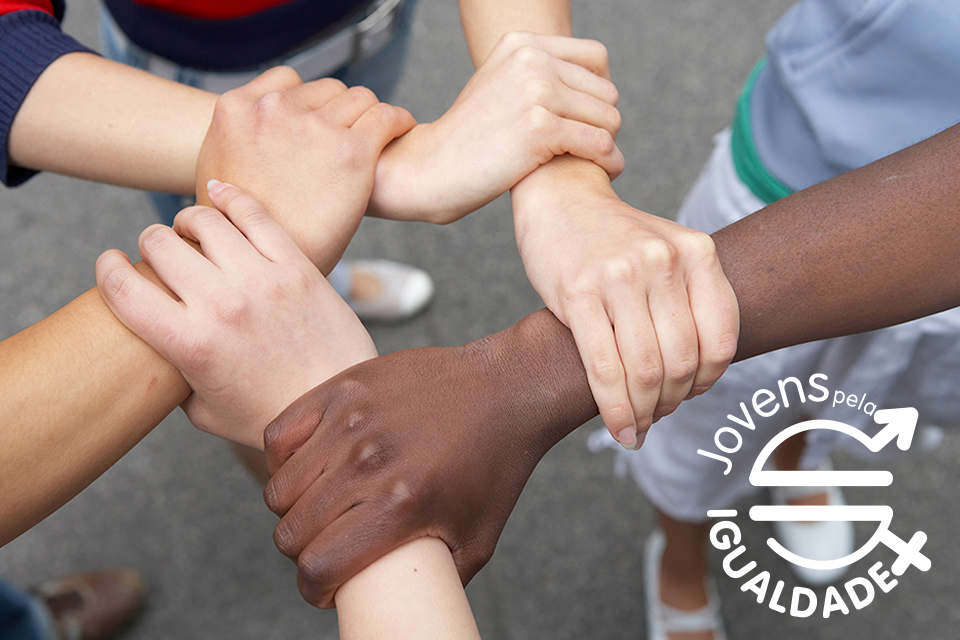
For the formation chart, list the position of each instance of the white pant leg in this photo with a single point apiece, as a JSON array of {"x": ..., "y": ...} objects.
[{"x": 916, "y": 364}]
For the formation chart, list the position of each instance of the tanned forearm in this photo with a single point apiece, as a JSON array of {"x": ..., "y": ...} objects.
[{"x": 79, "y": 391}]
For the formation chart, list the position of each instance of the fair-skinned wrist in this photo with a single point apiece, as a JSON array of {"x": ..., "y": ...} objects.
[{"x": 555, "y": 178}]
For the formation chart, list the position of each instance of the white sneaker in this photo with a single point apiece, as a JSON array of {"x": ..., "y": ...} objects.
[
  {"x": 663, "y": 619},
  {"x": 405, "y": 291},
  {"x": 814, "y": 540}
]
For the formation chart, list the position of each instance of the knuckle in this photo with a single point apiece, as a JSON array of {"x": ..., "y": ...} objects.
[
  {"x": 273, "y": 496},
  {"x": 584, "y": 284},
  {"x": 604, "y": 143},
  {"x": 372, "y": 453},
  {"x": 116, "y": 284},
  {"x": 356, "y": 422},
  {"x": 274, "y": 439},
  {"x": 606, "y": 370},
  {"x": 364, "y": 94},
  {"x": 312, "y": 568},
  {"x": 154, "y": 238},
  {"x": 614, "y": 119},
  {"x": 513, "y": 40},
  {"x": 245, "y": 207},
  {"x": 613, "y": 94},
  {"x": 723, "y": 351},
  {"x": 529, "y": 57},
  {"x": 619, "y": 269},
  {"x": 229, "y": 310},
  {"x": 399, "y": 499},
  {"x": 649, "y": 375},
  {"x": 269, "y": 103},
  {"x": 659, "y": 254},
  {"x": 538, "y": 90},
  {"x": 539, "y": 120},
  {"x": 599, "y": 53},
  {"x": 286, "y": 540},
  {"x": 229, "y": 105},
  {"x": 201, "y": 217},
  {"x": 665, "y": 407},
  {"x": 603, "y": 55},
  {"x": 286, "y": 74},
  {"x": 684, "y": 369},
  {"x": 357, "y": 389},
  {"x": 699, "y": 246},
  {"x": 618, "y": 415},
  {"x": 333, "y": 83},
  {"x": 385, "y": 116}
]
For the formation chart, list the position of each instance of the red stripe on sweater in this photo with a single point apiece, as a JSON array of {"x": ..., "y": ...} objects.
[
  {"x": 212, "y": 9},
  {"x": 9, "y": 6}
]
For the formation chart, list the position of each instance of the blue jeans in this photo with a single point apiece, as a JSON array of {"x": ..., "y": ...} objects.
[
  {"x": 379, "y": 74},
  {"x": 22, "y": 617}
]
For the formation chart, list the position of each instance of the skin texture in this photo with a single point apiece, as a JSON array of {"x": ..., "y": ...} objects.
[
  {"x": 364, "y": 449},
  {"x": 382, "y": 424},
  {"x": 100, "y": 120},
  {"x": 653, "y": 316},
  {"x": 250, "y": 291}
]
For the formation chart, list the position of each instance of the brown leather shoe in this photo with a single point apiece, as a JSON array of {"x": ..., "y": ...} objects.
[{"x": 93, "y": 605}]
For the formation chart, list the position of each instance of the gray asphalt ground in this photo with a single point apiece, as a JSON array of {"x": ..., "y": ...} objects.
[{"x": 569, "y": 564}]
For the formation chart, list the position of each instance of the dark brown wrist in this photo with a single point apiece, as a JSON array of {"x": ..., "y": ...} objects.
[{"x": 539, "y": 378}]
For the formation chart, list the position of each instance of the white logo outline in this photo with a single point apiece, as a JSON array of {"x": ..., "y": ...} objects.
[{"x": 900, "y": 425}]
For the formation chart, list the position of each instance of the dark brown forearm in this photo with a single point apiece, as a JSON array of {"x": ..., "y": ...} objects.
[{"x": 868, "y": 249}]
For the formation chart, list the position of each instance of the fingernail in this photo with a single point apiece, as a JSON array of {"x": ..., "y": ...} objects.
[
  {"x": 628, "y": 438},
  {"x": 641, "y": 438},
  {"x": 214, "y": 187}
]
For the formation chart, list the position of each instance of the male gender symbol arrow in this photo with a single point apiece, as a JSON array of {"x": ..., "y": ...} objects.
[{"x": 900, "y": 425}]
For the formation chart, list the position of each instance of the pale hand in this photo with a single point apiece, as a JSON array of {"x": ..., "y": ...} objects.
[
  {"x": 306, "y": 151},
  {"x": 255, "y": 323},
  {"x": 653, "y": 315},
  {"x": 534, "y": 98}
]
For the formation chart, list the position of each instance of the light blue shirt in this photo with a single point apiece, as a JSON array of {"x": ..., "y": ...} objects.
[{"x": 851, "y": 81}]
